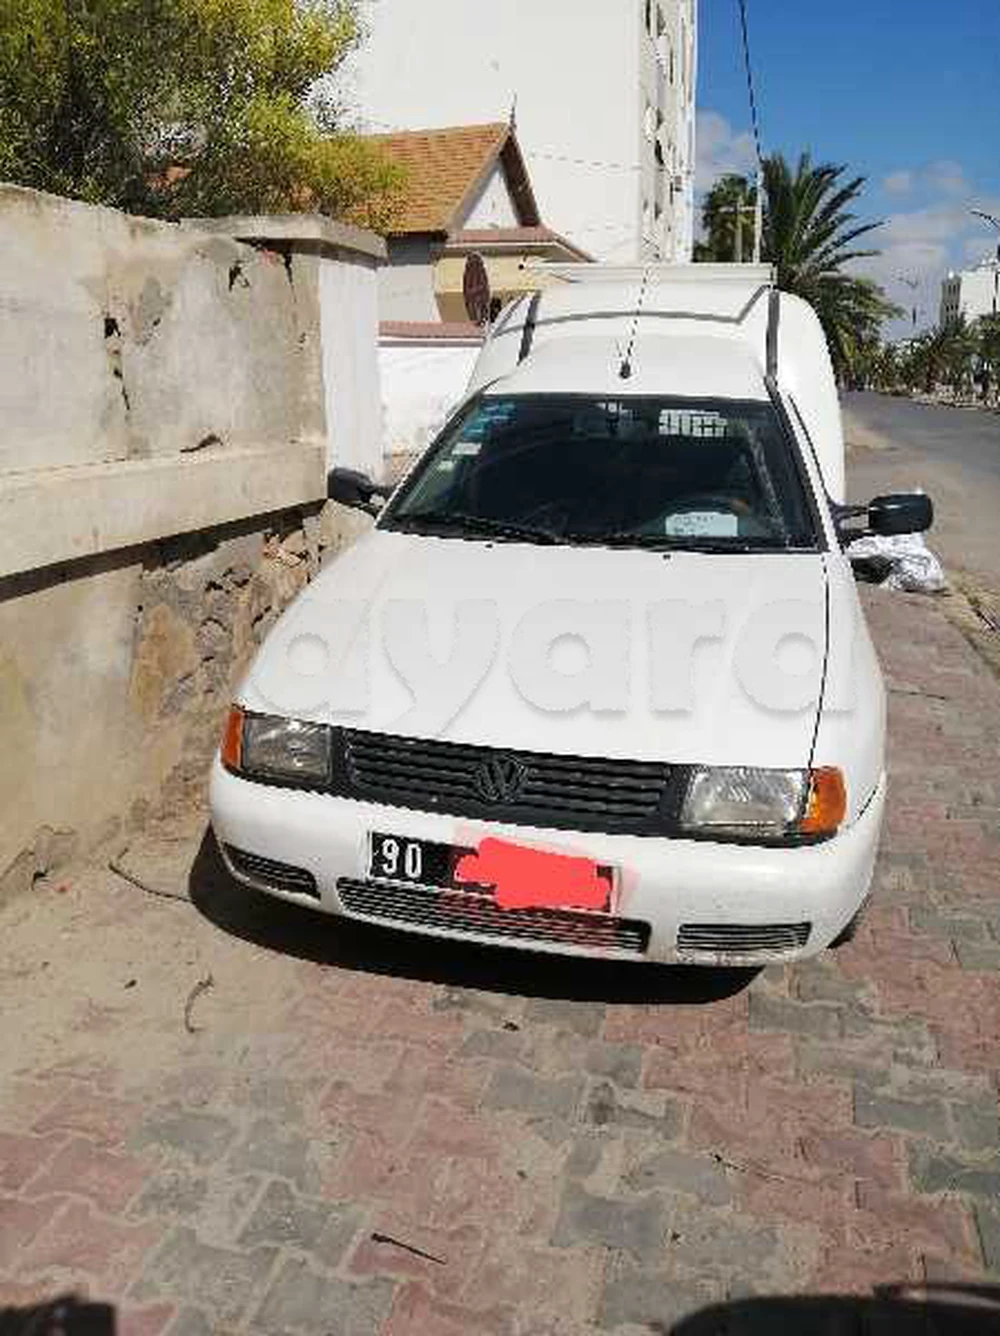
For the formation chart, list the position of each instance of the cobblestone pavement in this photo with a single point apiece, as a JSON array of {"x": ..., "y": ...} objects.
[{"x": 360, "y": 1133}]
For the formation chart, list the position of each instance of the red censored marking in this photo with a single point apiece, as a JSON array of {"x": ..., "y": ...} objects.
[{"x": 530, "y": 879}]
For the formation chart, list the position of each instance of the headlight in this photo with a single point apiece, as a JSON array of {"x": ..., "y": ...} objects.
[
  {"x": 276, "y": 748},
  {"x": 742, "y": 802}
]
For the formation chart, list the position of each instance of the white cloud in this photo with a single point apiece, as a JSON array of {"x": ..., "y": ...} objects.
[
  {"x": 946, "y": 178},
  {"x": 720, "y": 149},
  {"x": 938, "y": 223},
  {"x": 898, "y": 183},
  {"x": 943, "y": 177}
]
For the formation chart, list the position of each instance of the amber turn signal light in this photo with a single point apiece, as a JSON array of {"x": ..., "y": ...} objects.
[
  {"x": 232, "y": 740},
  {"x": 827, "y": 805}
]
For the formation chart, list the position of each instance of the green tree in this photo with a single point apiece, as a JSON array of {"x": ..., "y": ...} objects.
[
  {"x": 810, "y": 236},
  {"x": 181, "y": 107},
  {"x": 875, "y": 365}
]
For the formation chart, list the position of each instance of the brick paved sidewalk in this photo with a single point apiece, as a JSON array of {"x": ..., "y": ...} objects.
[{"x": 368, "y": 1134}]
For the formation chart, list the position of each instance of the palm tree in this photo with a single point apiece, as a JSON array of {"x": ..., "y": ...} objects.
[
  {"x": 810, "y": 236},
  {"x": 924, "y": 363},
  {"x": 875, "y": 365},
  {"x": 961, "y": 358},
  {"x": 945, "y": 356}
]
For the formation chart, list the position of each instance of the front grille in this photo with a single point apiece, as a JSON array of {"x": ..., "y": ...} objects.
[
  {"x": 739, "y": 939},
  {"x": 464, "y": 913},
  {"x": 574, "y": 792},
  {"x": 268, "y": 873}
]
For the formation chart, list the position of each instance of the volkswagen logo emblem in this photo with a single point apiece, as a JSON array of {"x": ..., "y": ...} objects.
[{"x": 499, "y": 779}]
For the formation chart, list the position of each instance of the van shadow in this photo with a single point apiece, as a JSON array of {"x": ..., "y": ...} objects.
[{"x": 349, "y": 945}]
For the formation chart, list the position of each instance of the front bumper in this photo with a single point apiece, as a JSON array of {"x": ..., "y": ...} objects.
[{"x": 665, "y": 883}]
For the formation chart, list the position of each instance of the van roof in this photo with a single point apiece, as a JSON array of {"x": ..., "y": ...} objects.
[
  {"x": 721, "y": 292},
  {"x": 700, "y": 366},
  {"x": 645, "y": 313}
]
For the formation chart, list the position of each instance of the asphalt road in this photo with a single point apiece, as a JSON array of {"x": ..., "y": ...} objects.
[{"x": 953, "y": 454}]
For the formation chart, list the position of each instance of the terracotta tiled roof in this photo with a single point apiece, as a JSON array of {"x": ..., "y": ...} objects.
[{"x": 445, "y": 168}]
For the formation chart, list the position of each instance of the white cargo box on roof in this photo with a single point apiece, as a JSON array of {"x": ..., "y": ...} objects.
[{"x": 691, "y": 331}]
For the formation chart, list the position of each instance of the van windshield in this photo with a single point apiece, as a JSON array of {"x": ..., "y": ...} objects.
[{"x": 713, "y": 475}]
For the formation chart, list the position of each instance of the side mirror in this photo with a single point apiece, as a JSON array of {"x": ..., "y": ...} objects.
[
  {"x": 900, "y": 512},
  {"x": 352, "y": 488}
]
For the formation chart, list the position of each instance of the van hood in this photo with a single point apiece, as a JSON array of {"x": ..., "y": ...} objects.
[{"x": 682, "y": 657}]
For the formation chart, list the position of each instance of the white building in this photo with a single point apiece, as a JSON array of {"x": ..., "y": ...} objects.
[
  {"x": 971, "y": 292},
  {"x": 604, "y": 93}
]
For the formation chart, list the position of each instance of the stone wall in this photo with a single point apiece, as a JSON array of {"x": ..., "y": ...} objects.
[
  {"x": 206, "y": 602},
  {"x": 164, "y": 439}
]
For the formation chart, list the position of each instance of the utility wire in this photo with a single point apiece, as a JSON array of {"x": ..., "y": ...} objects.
[
  {"x": 597, "y": 164},
  {"x": 748, "y": 65},
  {"x": 758, "y": 228},
  {"x": 546, "y": 154}
]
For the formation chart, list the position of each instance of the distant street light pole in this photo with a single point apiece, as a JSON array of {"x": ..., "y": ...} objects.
[
  {"x": 994, "y": 222},
  {"x": 738, "y": 210},
  {"x": 913, "y": 284}
]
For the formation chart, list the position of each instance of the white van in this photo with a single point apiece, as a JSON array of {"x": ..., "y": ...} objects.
[{"x": 598, "y": 681}]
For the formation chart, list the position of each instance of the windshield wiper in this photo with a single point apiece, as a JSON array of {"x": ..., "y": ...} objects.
[
  {"x": 675, "y": 543},
  {"x": 479, "y": 524},
  {"x": 723, "y": 545}
]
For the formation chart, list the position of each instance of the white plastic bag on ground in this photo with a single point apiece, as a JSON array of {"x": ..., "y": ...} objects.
[{"x": 915, "y": 568}]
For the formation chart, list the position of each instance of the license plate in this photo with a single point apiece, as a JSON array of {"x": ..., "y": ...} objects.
[
  {"x": 513, "y": 876},
  {"x": 420, "y": 862}
]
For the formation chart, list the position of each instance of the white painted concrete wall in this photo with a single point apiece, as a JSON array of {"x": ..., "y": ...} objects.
[
  {"x": 421, "y": 385},
  {"x": 669, "y": 74},
  {"x": 574, "y": 66},
  {"x": 406, "y": 283},
  {"x": 492, "y": 207},
  {"x": 349, "y": 317}
]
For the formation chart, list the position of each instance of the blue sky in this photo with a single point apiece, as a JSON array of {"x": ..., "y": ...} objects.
[{"x": 906, "y": 92}]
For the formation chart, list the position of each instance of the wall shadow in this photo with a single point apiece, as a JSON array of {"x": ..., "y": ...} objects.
[{"x": 303, "y": 933}]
